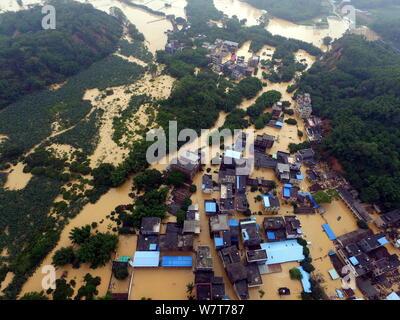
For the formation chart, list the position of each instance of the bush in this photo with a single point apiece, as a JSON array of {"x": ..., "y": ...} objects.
[
  {"x": 175, "y": 178},
  {"x": 307, "y": 266},
  {"x": 247, "y": 213},
  {"x": 192, "y": 188},
  {"x": 295, "y": 274},
  {"x": 302, "y": 242},
  {"x": 291, "y": 121},
  {"x": 362, "y": 224},
  {"x": 63, "y": 256},
  {"x": 121, "y": 271}
]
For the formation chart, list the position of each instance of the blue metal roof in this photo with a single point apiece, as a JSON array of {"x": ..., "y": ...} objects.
[
  {"x": 219, "y": 242},
  {"x": 393, "y": 296},
  {"x": 286, "y": 192},
  {"x": 305, "y": 281},
  {"x": 283, "y": 251},
  {"x": 354, "y": 261},
  {"x": 279, "y": 124},
  {"x": 299, "y": 177},
  {"x": 329, "y": 231},
  {"x": 339, "y": 293},
  {"x": 176, "y": 261},
  {"x": 146, "y": 259},
  {"x": 211, "y": 207}
]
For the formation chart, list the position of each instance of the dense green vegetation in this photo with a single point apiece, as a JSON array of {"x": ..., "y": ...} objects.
[
  {"x": 84, "y": 136},
  {"x": 383, "y": 17},
  {"x": 32, "y": 58},
  {"x": 120, "y": 122},
  {"x": 150, "y": 204},
  {"x": 356, "y": 87},
  {"x": 135, "y": 49},
  {"x": 28, "y": 121},
  {"x": 26, "y": 229},
  {"x": 296, "y": 11}
]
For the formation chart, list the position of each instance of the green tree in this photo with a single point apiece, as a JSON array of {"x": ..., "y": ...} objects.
[
  {"x": 89, "y": 289},
  {"x": 295, "y": 274},
  {"x": 34, "y": 296},
  {"x": 97, "y": 249},
  {"x": 148, "y": 180},
  {"x": 322, "y": 197},
  {"x": 175, "y": 178},
  {"x": 63, "y": 290},
  {"x": 121, "y": 271},
  {"x": 63, "y": 256},
  {"x": 79, "y": 235}
]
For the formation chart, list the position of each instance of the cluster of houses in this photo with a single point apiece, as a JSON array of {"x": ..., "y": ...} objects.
[
  {"x": 390, "y": 223},
  {"x": 236, "y": 67},
  {"x": 312, "y": 124},
  {"x": 174, "y": 46},
  {"x": 374, "y": 268}
]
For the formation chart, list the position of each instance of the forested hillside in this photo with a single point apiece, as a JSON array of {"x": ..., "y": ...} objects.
[
  {"x": 357, "y": 87},
  {"x": 382, "y": 16},
  {"x": 295, "y": 11},
  {"x": 32, "y": 58}
]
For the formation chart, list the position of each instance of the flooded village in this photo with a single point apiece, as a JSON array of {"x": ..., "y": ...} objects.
[{"x": 255, "y": 216}]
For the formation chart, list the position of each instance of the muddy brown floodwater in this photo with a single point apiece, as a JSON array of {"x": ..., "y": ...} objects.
[{"x": 164, "y": 283}]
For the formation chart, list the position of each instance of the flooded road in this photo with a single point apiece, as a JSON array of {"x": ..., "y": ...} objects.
[
  {"x": 17, "y": 179},
  {"x": 336, "y": 27}
]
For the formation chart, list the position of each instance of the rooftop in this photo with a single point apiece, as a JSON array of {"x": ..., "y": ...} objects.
[
  {"x": 283, "y": 251},
  {"x": 150, "y": 225},
  {"x": 254, "y": 278},
  {"x": 146, "y": 259},
  {"x": 219, "y": 223}
]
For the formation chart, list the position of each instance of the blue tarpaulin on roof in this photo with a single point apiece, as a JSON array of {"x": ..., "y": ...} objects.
[
  {"x": 233, "y": 223},
  {"x": 339, "y": 293},
  {"x": 299, "y": 177},
  {"x": 146, "y": 259},
  {"x": 178, "y": 261},
  {"x": 382, "y": 241},
  {"x": 245, "y": 235},
  {"x": 279, "y": 124},
  {"x": 153, "y": 247},
  {"x": 286, "y": 192},
  {"x": 332, "y": 253},
  {"x": 329, "y": 231},
  {"x": 271, "y": 235},
  {"x": 354, "y": 261}
]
